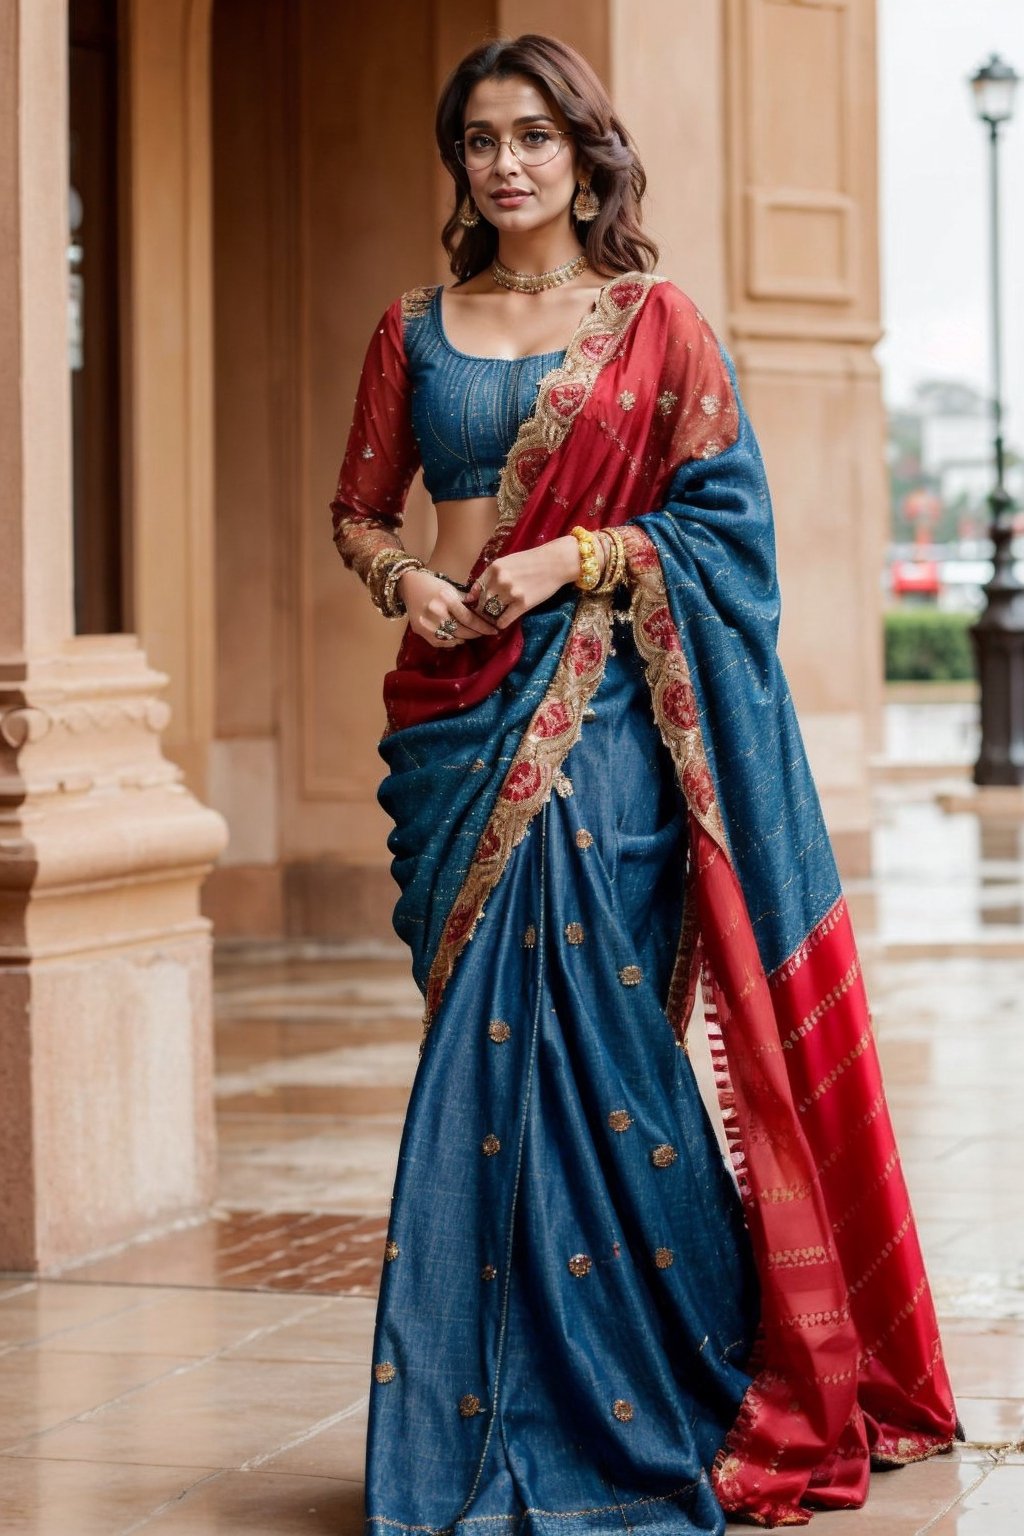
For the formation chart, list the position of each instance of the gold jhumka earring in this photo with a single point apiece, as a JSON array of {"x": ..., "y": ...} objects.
[
  {"x": 586, "y": 204},
  {"x": 469, "y": 215}
]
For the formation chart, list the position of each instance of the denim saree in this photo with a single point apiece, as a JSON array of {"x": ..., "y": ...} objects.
[{"x": 586, "y": 1318}]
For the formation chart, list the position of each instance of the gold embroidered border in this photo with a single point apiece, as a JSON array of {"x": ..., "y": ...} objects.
[
  {"x": 789, "y": 967},
  {"x": 563, "y": 392},
  {"x": 534, "y": 771},
  {"x": 417, "y": 301},
  {"x": 668, "y": 678}
]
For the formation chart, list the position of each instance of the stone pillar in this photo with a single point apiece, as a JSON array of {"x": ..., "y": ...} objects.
[
  {"x": 803, "y": 276},
  {"x": 105, "y": 1052}
]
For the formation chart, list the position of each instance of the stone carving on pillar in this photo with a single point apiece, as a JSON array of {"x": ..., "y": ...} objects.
[{"x": 105, "y": 1046}]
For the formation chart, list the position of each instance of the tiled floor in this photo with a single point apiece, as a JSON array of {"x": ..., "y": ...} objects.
[{"x": 214, "y": 1379}]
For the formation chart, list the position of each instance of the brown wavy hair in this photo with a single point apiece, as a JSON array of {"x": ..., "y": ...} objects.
[{"x": 614, "y": 241}]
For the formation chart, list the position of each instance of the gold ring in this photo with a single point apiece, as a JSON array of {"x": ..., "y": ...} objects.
[{"x": 494, "y": 607}]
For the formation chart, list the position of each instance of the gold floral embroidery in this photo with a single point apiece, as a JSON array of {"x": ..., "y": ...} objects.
[
  {"x": 620, "y": 1119},
  {"x": 663, "y": 1257},
  {"x": 488, "y": 1272},
  {"x": 627, "y": 400},
  {"x": 477, "y": 765},
  {"x": 385, "y": 1371},
  {"x": 664, "y": 1155},
  {"x": 579, "y": 1264},
  {"x": 574, "y": 933},
  {"x": 668, "y": 677},
  {"x": 795, "y": 1258},
  {"x": 391, "y": 1250},
  {"x": 554, "y": 728},
  {"x": 622, "y": 1409},
  {"x": 667, "y": 402},
  {"x": 563, "y": 784},
  {"x": 498, "y": 1031},
  {"x": 562, "y": 394},
  {"x": 710, "y": 405},
  {"x": 490, "y": 1145},
  {"x": 417, "y": 301},
  {"x": 469, "y": 1405},
  {"x": 631, "y": 975},
  {"x": 584, "y": 839}
]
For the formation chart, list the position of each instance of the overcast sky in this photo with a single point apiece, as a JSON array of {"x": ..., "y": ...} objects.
[{"x": 935, "y": 197}]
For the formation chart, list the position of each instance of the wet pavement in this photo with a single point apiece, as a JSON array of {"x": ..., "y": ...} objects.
[{"x": 215, "y": 1378}]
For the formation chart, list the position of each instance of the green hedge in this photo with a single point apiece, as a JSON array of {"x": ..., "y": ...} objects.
[{"x": 924, "y": 645}]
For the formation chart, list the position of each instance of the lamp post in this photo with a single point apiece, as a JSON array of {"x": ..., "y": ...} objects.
[{"x": 998, "y": 635}]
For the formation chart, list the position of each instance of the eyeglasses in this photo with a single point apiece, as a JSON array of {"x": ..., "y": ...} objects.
[{"x": 531, "y": 146}]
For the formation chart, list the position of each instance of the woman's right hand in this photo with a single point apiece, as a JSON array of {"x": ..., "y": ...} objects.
[{"x": 430, "y": 600}]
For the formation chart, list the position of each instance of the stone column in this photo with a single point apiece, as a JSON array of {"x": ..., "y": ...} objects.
[
  {"x": 803, "y": 274},
  {"x": 105, "y": 1041}
]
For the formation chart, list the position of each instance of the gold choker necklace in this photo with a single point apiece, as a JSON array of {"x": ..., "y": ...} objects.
[{"x": 536, "y": 282}]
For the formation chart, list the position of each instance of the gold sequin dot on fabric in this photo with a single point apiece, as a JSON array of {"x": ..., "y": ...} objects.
[
  {"x": 584, "y": 839},
  {"x": 620, "y": 1119},
  {"x": 391, "y": 1250},
  {"x": 631, "y": 975},
  {"x": 579, "y": 1264},
  {"x": 488, "y": 1272},
  {"x": 498, "y": 1031},
  {"x": 385, "y": 1371},
  {"x": 530, "y": 937},
  {"x": 664, "y": 1155},
  {"x": 663, "y": 1257},
  {"x": 622, "y": 1409},
  {"x": 469, "y": 1405},
  {"x": 491, "y": 1144},
  {"x": 574, "y": 933}
]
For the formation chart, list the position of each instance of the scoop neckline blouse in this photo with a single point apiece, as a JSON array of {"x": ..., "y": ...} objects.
[{"x": 479, "y": 357}]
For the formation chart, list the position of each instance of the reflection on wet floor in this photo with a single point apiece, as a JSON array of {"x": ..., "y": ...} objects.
[{"x": 215, "y": 1378}]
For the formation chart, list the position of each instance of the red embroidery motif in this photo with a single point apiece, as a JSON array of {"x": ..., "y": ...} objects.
[
  {"x": 625, "y": 294},
  {"x": 522, "y": 782},
  {"x": 459, "y": 923},
  {"x": 566, "y": 399},
  {"x": 642, "y": 554},
  {"x": 529, "y": 466},
  {"x": 680, "y": 705},
  {"x": 661, "y": 631},
  {"x": 584, "y": 652},
  {"x": 489, "y": 845},
  {"x": 553, "y": 721},
  {"x": 594, "y": 346},
  {"x": 698, "y": 787}
]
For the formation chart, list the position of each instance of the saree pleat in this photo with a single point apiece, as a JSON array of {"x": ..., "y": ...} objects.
[{"x": 564, "y": 1327}]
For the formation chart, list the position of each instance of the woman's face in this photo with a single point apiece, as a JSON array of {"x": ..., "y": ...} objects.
[{"x": 510, "y": 195}]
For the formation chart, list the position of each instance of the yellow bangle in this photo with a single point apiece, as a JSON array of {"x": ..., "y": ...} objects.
[{"x": 590, "y": 566}]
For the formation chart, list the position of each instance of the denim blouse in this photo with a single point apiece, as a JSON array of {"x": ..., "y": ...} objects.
[{"x": 465, "y": 410}]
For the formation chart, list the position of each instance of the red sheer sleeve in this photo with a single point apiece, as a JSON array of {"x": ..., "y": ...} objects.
[{"x": 380, "y": 460}]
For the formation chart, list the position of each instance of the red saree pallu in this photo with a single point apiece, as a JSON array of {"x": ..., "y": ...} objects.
[{"x": 642, "y": 427}]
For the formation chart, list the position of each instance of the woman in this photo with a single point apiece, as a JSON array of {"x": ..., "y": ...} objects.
[{"x": 596, "y": 777}]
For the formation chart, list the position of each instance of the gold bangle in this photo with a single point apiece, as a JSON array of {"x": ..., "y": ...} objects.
[
  {"x": 590, "y": 569},
  {"x": 615, "y": 564}
]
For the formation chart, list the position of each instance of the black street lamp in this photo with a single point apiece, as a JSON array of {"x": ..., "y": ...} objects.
[{"x": 998, "y": 635}]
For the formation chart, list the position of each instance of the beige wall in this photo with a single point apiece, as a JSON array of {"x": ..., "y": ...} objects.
[{"x": 762, "y": 193}]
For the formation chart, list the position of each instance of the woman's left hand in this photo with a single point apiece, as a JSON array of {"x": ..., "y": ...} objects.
[{"x": 522, "y": 580}]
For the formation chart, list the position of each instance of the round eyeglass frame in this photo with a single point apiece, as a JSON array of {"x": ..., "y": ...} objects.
[{"x": 460, "y": 145}]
